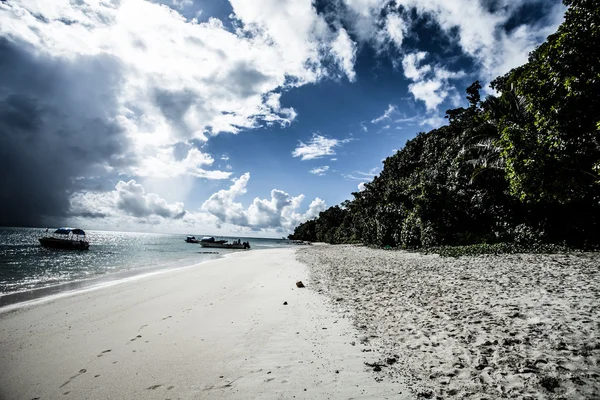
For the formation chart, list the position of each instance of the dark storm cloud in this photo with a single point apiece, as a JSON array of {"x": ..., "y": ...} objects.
[{"x": 55, "y": 125}]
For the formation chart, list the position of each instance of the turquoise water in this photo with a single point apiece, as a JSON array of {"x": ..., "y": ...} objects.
[{"x": 28, "y": 269}]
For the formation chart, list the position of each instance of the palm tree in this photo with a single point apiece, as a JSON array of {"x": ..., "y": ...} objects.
[{"x": 482, "y": 148}]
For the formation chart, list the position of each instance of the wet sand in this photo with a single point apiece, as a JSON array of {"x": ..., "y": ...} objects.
[
  {"x": 218, "y": 330},
  {"x": 511, "y": 326}
]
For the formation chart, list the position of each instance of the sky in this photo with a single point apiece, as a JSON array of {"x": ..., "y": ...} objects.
[{"x": 240, "y": 117}]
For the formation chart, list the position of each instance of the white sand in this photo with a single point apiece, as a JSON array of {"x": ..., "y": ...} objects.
[
  {"x": 518, "y": 326},
  {"x": 217, "y": 330}
]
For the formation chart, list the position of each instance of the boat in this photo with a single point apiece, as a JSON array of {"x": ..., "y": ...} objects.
[
  {"x": 191, "y": 239},
  {"x": 211, "y": 242},
  {"x": 66, "y": 238}
]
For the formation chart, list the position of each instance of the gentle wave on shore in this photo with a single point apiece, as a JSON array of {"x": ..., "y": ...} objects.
[{"x": 27, "y": 270}]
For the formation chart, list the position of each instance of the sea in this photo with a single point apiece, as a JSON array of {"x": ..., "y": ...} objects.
[{"x": 29, "y": 271}]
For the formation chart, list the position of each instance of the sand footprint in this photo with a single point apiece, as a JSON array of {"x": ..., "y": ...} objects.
[
  {"x": 81, "y": 371},
  {"x": 104, "y": 352}
]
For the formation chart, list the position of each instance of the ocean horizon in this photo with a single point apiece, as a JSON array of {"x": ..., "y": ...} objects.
[{"x": 29, "y": 271}]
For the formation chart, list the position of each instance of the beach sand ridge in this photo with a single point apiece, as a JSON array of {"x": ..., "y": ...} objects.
[{"x": 494, "y": 326}]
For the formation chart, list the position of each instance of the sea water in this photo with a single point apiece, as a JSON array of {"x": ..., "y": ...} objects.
[{"x": 28, "y": 270}]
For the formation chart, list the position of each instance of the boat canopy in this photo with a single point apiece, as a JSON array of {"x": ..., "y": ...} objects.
[
  {"x": 66, "y": 231},
  {"x": 208, "y": 239}
]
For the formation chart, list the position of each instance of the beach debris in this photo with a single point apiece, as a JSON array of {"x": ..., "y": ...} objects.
[
  {"x": 285, "y": 303},
  {"x": 482, "y": 362},
  {"x": 376, "y": 366},
  {"x": 425, "y": 393},
  {"x": 391, "y": 360},
  {"x": 549, "y": 383},
  {"x": 300, "y": 284}
]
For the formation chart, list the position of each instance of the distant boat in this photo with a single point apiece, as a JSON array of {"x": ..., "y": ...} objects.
[
  {"x": 66, "y": 238},
  {"x": 191, "y": 239},
  {"x": 211, "y": 242}
]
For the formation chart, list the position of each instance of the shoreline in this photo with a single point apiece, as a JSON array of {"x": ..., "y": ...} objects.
[
  {"x": 227, "y": 328},
  {"x": 11, "y": 300}
]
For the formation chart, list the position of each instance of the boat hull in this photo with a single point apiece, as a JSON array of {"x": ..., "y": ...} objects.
[
  {"x": 214, "y": 245},
  {"x": 65, "y": 244}
]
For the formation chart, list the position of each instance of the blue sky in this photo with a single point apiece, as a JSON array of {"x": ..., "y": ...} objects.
[{"x": 240, "y": 117}]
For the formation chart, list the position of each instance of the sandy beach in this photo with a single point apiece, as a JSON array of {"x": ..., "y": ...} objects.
[
  {"x": 500, "y": 326},
  {"x": 218, "y": 330}
]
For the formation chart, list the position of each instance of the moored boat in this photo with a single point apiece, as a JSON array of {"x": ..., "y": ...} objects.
[
  {"x": 66, "y": 238},
  {"x": 191, "y": 239},
  {"x": 211, "y": 242}
]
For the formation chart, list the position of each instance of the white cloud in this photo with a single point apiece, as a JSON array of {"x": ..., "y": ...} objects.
[
  {"x": 410, "y": 64},
  {"x": 386, "y": 115},
  {"x": 315, "y": 207},
  {"x": 182, "y": 80},
  {"x": 277, "y": 212},
  {"x": 433, "y": 120},
  {"x": 129, "y": 198},
  {"x": 362, "y": 176},
  {"x": 396, "y": 28},
  {"x": 223, "y": 206},
  {"x": 317, "y": 147},
  {"x": 432, "y": 92},
  {"x": 344, "y": 50},
  {"x": 408, "y": 120},
  {"x": 361, "y": 186},
  {"x": 430, "y": 84},
  {"x": 479, "y": 31},
  {"x": 320, "y": 170},
  {"x": 163, "y": 164},
  {"x": 180, "y": 4}
]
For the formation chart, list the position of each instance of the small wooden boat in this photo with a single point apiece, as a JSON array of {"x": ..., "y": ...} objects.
[
  {"x": 211, "y": 242},
  {"x": 66, "y": 238},
  {"x": 191, "y": 239}
]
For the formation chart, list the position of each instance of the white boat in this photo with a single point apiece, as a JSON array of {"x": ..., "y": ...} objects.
[{"x": 211, "y": 242}]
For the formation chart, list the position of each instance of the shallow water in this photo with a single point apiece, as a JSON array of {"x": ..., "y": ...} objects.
[{"x": 25, "y": 266}]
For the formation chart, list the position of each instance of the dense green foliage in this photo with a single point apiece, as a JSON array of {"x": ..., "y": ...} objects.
[{"x": 522, "y": 167}]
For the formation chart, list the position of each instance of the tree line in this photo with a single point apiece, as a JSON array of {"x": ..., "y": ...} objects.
[{"x": 521, "y": 167}]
